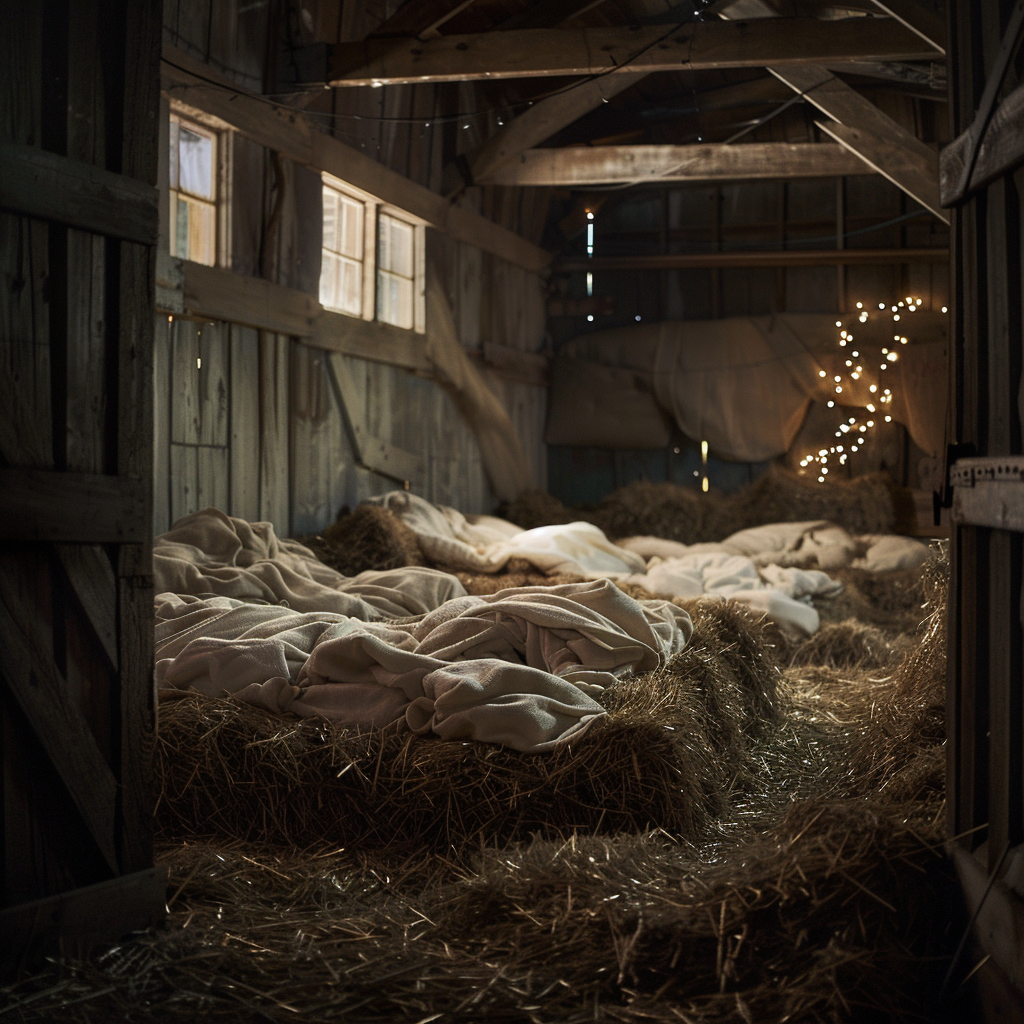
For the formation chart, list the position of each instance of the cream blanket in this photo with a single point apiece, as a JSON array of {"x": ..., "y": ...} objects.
[
  {"x": 209, "y": 554},
  {"x": 521, "y": 667},
  {"x": 484, "y": 544}
]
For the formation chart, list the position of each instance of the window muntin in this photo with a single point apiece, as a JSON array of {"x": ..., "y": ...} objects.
[
  {"x": 396, "y": 271},
  {"x": 193, "y": 191}
]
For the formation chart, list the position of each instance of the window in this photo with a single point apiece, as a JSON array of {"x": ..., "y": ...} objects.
[
  {"x": 193, "y": 191},
  {"x": 372, "y": 258},
  {"x": 396, "y": 275},
  {"x": 341, "y": 273}
]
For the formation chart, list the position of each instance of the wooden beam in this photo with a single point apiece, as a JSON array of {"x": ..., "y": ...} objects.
[
  {"x": 918, "y": 178},
  {"x": 597, "y": 51},
  {"x": 514, "y": 364},
  {"x": 580, "y": 166},
  {"x": 989, "y": 492},
  {"x": 922, "y": 22},
  {"x": 44, "y": 505},
  {"x": 294, "y": 136},
  {"x": 39, "y": 184},
  {"x": 767, "y": 258},
  {"x": 1001, "y": 149},
  {"x": 371, "y": 452},
  {"x": 538, "y": 123},
  {"x": 71, "y": 923},
  {"x": 420, "y": 18},
  {"x": 369, "y": 339},
  {"x": 217, "y": 294},
  {"x": 40, "y": 690},
  {"x": 548, "y": 14},
  {"x": 93, "y": 582},
  {"x": 889, "y": 148}
]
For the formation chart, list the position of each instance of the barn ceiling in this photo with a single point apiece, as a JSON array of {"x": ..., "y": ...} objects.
[{"x": 592, "y": 94}]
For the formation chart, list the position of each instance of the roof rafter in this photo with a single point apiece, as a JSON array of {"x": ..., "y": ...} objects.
[
  {"x": 599, "y": 51},
  {"x": 581, "y": 166}
]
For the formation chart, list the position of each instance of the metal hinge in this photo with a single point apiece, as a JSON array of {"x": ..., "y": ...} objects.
[{"x": 989, "y": 492}]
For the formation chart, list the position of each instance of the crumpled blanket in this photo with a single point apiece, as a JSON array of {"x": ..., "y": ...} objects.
[
  {"x": 520, "y": 667},
  {"x": 208, "y": 554},
  {"x": 484, "y": 544}
]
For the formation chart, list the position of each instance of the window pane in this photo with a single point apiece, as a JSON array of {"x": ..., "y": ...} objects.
[
  {"x": 330, "y": 240},
  {"x": 202, "y": 232},
  {"x": 350, "y": 237},
  {"x": 195, "y": 163},
  {"x": 401, "y": 248},
  {"x": 180, "y": 232},
  {"x": 341, "y": 284},
  {"x": 394, "y": 299}
]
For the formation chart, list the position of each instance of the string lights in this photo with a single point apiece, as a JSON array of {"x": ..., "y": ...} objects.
[{"x": 853, "y": 431}]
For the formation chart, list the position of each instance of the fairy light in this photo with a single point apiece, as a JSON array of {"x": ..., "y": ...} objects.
[
  {"x": 855, "y": 430},
  {"x": 704, "y": 466}
]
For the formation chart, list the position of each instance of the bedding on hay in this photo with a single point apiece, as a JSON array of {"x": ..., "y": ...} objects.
[{"x": 754, "y": 834}]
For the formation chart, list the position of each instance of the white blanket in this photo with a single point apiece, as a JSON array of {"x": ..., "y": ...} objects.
[
  {"x": 485, "y": 544},
  {"x": 209, "y": 554},
  {"x": 521, "y": 667}
]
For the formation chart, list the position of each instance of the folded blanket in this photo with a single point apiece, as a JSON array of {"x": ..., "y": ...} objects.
[
  {"x": 209, "y": 554},
  {"x": 520, "y": 667}
]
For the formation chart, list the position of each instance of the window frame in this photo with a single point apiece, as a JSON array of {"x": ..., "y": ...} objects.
[
  {"x": 373, "y": 208},
  {"x": 221, "y": 135}
]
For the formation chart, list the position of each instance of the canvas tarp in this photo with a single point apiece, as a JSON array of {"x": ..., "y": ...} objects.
[{"x": 743, "y": 384}]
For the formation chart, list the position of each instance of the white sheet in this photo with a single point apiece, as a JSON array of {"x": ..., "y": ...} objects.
[
  {"x": 521, "y": 667},
  {"x": 448, "y": 537},
  {"x": 209, "y": 554}
]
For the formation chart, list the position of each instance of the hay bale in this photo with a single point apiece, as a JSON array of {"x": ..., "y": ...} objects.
[
  {"x": 848, "y": 644},
  {"x": 368, "y": 538},
  {"x": 861, "y": 505},
  {"x": 658, "y": 510},
  {"x": 666, "y": 755},
  {"x": 535, "y": 507}
]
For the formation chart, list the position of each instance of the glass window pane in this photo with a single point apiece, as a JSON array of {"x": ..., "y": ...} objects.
[
  {"x": 351, "y": 296},
  {"x": 330, "y": 240},
  {"x": 350, "y": 237},
  {"x": 401, "y": 248},
  {"x": 394, "y": 299},
  {"x": 173, "y": 151},
  {"x": 202, "y": 232},
  {"x": 195, "y": 163},
  {"x": 180, "y": 232}
]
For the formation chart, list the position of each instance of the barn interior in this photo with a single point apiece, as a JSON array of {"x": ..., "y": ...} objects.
[{"x": 511, "y": 510}]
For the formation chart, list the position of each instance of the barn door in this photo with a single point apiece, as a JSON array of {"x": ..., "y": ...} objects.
[
  {"x": 983, "y": 180},
  {"x": 78, "y": 223}
]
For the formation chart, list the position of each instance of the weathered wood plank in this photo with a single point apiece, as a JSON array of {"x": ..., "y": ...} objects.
[
  {"x": 217, "y": 294},
  {"x": 184, "y": 480},
  {"x": 422, "y": 18},
  {"x": 92, "y": 580},
  {"x": 40, "y": 504},
  {"x": 162, "y": 399},
  {"x": 593, "y": 165},
  {"x": 888, "y": 147},
  {"x": 370, "y": 451},
  {"x": 546, "y": 117},
  {"x": 39, "y": 689},
  {"x": 72, "y": 922},
  {"x": 768, "y": 258},
  {"x": 920, "y": 20},
  {"x": 275, "y": 491},
  {"x": 212, "y": 385},
  {"x": 917, "y": 177},
  {"x": 55, "y": 188},
  {"x": 245, "y": 423},
  {"x": 1001, "y": 149},
  {"x": 369, "y": 339},
  {"x": 596, "y": 51}
]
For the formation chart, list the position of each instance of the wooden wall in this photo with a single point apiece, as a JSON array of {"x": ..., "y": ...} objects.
[
  {"x": 257, "y": 429},
  {"x": 78, "y": 147},
  {"x": 863, "y": 211}
]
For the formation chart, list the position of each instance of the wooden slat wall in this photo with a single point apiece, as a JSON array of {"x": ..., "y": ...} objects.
[
  {"x": 79, "y": 86},
  {"x": 258, "y": 429},
  {"x": 986, "y": 688}
]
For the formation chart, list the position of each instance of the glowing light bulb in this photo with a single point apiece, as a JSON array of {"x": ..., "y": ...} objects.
[
  {"x": 870, "y": 407},
  {"x": 881, "y": 305},
  {"x": 896, "y": 316},
  {"x": 839, "y": 390},
  {"x": 831, "y": 404},
  {"x": 871, "y": 423},
  {"x": 945, "y": 309},
  {"x": 873, "y": 388},
  {"x": 849, "y": 362},
  {"x": 903, "y": 341},
  {"x": 855, "y": 375},
  {"x": 860, "y": 305},
  {"x": 837, "y": 378},
  {"x": 823, "y": 451},
  {"x": 821, "y": 373},
  {"x": 888, "y": 419},
  {"x": 839, "y": 323}
]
